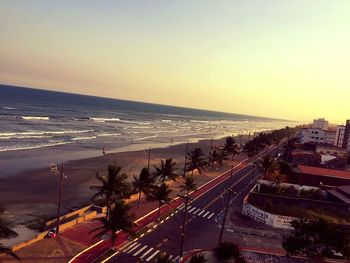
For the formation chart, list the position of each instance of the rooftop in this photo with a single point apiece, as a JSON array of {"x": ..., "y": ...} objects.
[{"x": 323, "y": 171}]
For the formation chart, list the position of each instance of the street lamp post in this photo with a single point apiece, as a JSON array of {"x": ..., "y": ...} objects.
[
  {"x": 183, "y": 230},
  {"x": 184, "y": 172},
  {"x": 54, "y": 171},
  {"x": 225, "y": 214}
]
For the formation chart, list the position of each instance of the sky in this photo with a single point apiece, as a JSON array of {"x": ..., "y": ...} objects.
[{"x": 282, "y": 59}]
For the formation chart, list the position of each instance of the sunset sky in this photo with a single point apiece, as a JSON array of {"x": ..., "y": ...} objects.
[{"x": 285, "y": 59}]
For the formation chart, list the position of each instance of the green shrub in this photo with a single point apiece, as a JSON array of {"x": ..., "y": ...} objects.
[{"x": 226, "y": 251}]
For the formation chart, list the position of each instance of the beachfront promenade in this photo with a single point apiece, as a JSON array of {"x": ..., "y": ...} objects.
[
  {"x": 77, "y": 239},
  {"x": 206, "y": 204}
]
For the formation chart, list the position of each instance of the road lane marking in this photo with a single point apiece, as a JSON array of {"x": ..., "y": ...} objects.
[
  {"x": 147, "y": 252},
  {"x": 134, "y": 248},
  {"x": 129, "y": 247},
  {"x": 193, "y": 208},
  {"x": 206, "y": 214},
  {"x": 125, "y": 245},
  {"x": 195, "y": 212},
  {"x": 153, "y": 255},
  {"x": 211, "y": 215},
  {"x": 201, "y": 212},
  {"x": 140, "y": 250}
]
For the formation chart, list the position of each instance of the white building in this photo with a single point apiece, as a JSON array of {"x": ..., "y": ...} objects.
[
  {"x": 342, "y": 137},
  {"x": 320, "y": 123},
  {"x": 317, "y": 135}
]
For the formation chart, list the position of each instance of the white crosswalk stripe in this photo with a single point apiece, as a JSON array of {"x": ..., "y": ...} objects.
[
  {"x": 129, "y": 247},
  {"x": 210, "y": 216},
  {"x": 140, "y": 250},
  {"x": 153, "y": 255},
  {"x": 200, "y": 212},
  {"x": 147, "y": 252},
  {"x": 131, "y": 250},
  {"x": 195, "y": 212},
  {"x": 193, "y": 208}
]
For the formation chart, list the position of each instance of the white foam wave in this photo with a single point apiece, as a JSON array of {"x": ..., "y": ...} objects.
[
  {"x": 39, "y": 133},
  {"x": 145, "y": 138},
  {"x": 135, "y": 122},
  {"x": 83, "y": 138},
  {"x": 108, "y": 134},
  {"x": 198, "y": 121},
  {"x": 9, "y": 108},
  {"x": 24, "y": 137},
  {"x": 28, "y": 147},
  {"x": 105, "y": 119},
  {"x": 167, "y": 121},
  {"x": 38, "y": 118}
]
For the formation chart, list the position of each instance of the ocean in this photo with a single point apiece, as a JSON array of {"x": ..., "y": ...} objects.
[{"x": 39, "y": 119}]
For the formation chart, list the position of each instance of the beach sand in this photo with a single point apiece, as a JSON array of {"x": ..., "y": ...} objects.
[{"x": 33, "y": 193}]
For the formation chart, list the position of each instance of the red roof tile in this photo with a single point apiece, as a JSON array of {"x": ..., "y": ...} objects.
[{"x": 323, "y": 171}]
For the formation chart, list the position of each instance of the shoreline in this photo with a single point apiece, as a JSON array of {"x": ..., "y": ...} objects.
[{"x": 33, "y": 193}]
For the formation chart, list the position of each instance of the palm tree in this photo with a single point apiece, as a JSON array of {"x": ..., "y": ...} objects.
[
  {"x": 143, "y": 183},
  {"x": 196, "y": 160},
  {"x": 231, "y": 147},
  {"x": 161, "y": 194},
  {"x": 167, "y": 170},
  {"x": 268, "y": 165},
  {"x": 218, "y": 155},
  {"x": 188, "y": 185},
  {"x": 113, "y": 187},
  {"x": 199, "y": 258},
  {"x": 6, "y": 232},
  {"x": 119, "y": 219}
]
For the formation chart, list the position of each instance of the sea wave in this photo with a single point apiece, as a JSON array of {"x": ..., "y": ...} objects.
[
  {"x": 9, "y": 108},
  {"x": 105, "y": 119},
  {"x": 135, "y": 122},
  {"x": 28, "y": 147},
  {"x": 108, "y": 134},
  {"x": 38, "y": 118},
  {"x": 145, "y": 138},
  {"x": 38, "y": 133},
  {"x": 83, "y": 138},
  {"x": 24, "y": 137}
]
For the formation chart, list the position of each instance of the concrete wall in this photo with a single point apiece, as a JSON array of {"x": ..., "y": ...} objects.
[{"x": 266, "y": 218}]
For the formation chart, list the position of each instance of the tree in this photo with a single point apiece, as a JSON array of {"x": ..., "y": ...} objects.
[
  {"x": 6, "y": 232},
  {"x": 161, "y": 194},
  {"x": 143, "y": 183},
  {"x": 316, "y": 239},
  {"x": 196, "y": 160},
  {"x": 268, "y": 165},
  {"x": 226, "y": 251},
  {"x": 188, "y": 185},
  {"x": 231, "y": 147},
  {"x": 218, "y": 155},
  {"x": 167, "y": 170},
  {"x": 198, "y": 258},
  {"x": 119, "y": 219},
  {"x": 113, "y": 187}
]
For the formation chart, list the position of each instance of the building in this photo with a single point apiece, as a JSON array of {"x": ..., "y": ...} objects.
[
  {"x": 342, "y": 137},
  {"x": 319, "y": 133},
  {"x": 328, "y": 149},
  {"x": 320, "y": 123},
  {"x": 317, "y": 176}
]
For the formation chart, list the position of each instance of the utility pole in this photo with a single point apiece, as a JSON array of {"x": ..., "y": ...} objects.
[
  {"x": 184, "y": 173},
  {"x": 183, "y": 231},
  {"x": 54, "y": 171},
  {"x": 225, "y": 214},
  {"x": 211, "y": 151},
  {"x": 149, "y": 158}
]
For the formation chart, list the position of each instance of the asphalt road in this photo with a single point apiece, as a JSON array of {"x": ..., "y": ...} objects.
[{"x": 202, "y": 231}]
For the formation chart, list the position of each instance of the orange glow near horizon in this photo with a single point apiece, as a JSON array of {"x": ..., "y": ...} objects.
[{"x": 282, "y": 59}]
